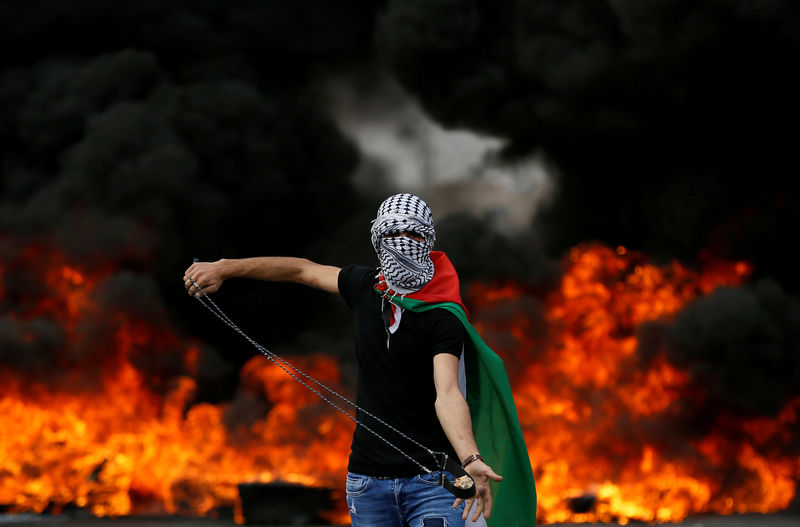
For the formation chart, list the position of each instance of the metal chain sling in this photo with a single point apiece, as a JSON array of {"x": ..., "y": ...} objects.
[{"x": 443, "y": 461}]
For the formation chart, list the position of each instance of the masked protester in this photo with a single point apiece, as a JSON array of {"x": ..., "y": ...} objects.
[{"x": 419, "y": 363}]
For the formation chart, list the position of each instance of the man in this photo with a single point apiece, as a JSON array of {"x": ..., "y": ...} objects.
[{"x": 408, "y": 360}]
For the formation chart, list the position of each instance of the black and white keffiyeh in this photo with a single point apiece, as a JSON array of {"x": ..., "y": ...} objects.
[{"x": 405, "y": 263}]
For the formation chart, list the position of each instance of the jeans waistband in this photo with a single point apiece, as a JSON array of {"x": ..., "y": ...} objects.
[{"x": 398, "y": 477}]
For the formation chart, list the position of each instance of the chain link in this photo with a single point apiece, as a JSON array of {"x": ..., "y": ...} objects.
[{"x": 296, "y": 373}]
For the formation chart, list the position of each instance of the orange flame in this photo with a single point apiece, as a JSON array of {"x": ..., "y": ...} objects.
[
  {"x": 118, "y": 445},
  {"x": 585, "y": 401}
]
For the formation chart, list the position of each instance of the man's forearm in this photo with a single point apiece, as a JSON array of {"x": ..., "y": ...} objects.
[
  {"x": 210, "y": 275},
  {"x": 269, "y": 268},
  {"x": 454, "y": 416}
]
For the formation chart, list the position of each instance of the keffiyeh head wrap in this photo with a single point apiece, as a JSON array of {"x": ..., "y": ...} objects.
[{"x": 404, "y": 263}]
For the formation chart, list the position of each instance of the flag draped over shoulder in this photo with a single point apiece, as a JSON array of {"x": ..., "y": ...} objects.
[{"x": 494, "y": 417}]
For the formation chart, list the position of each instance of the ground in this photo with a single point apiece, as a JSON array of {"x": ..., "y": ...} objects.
[{"x": 32, "y": 520}]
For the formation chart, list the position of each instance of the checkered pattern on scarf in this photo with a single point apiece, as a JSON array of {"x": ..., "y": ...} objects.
[{"x": 405, "y": 263}]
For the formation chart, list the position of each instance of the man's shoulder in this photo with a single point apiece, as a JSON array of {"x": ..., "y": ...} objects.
[
  {"x": 355, "y": 279},
  {"x": 357, "y": 273}
]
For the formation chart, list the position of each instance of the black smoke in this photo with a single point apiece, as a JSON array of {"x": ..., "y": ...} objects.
[
  {"x": 741, "y": 344},
  {"x": 670, "y": 121},
  {"x": 148, "y": 133},
  {"x": 671, "y": 125},
  {"x": 152, "y": 133}
]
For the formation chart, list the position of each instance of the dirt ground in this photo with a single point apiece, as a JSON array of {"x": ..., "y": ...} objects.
[
  {"x": 32, "y": 520},
  {"x": 749, "y": 520}
]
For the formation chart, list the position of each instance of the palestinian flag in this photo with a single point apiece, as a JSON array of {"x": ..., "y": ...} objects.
[{"x": 494, "y": 416}]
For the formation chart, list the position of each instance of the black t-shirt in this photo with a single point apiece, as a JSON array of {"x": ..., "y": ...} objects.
[{"x": 395, "y": 382}]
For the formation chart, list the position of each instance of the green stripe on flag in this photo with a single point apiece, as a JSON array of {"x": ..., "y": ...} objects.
[{"x": 495, "y": 424}]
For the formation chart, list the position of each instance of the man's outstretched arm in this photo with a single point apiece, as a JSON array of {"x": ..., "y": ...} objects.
[{"x": 210, "y": 275}]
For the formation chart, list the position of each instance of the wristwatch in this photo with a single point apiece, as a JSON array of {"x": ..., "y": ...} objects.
[{"x": 470, "y": 459}]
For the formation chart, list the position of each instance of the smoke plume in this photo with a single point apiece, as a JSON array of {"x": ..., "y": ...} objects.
[
  {"x": 666, "y": 119},
  {"x": 144, "y": 134}
]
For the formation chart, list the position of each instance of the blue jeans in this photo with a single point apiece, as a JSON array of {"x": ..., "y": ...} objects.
[{"x": 418, "y": 501}]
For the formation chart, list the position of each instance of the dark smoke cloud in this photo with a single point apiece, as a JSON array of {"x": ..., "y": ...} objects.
[
  {"x": 669, "y": 124},
  {"x": 147, "y": 133},
  {"x": 668, "y": 120},
  {"x": 29, "y": 346},
  {"x": 740, "y": 344},
  {"x": 741, "y": 349},
  {"x": 480, "y": 252},
  {"x": 160, "y": 174}
]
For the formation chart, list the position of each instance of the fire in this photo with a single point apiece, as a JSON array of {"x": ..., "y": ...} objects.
[
  {"x": 107, "y": 427},
  {"x": 96, "y": 431},
  {"x": 599, "y": 423},
  {"x": 122, "y": 447}
]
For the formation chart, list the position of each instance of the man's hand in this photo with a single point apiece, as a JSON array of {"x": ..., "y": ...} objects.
[
  {"x": 208, "y": 275},
  {"x": 481, "y": 473}
]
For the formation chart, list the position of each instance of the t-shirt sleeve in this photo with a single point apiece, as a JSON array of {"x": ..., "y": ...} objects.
[
  {"x": 354, "y": 280},
  {"x": 448, "y": 334}
]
